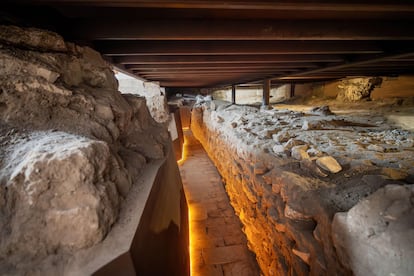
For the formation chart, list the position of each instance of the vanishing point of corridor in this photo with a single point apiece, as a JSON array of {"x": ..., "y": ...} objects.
[{"x": 218, "y": 245}]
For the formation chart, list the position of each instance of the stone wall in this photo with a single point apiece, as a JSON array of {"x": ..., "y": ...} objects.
[
  {"x": 383, "y": 88},
  {"x": 154, "y": 94},
  {"x": 288, "y": 173},
  {"x": 71, "y": 148}
]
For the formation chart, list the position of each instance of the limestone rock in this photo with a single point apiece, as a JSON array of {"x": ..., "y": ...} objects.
[
  {"x": 355, "y": 89},
  {"x": 329, "y": 164},
  {"x": 375, "y": 236},
  {"x": 70, "y": 147},
  {"x": 322, "y": 110},
  {"x": 278, "y": 149},
  {"x": 281, "y": 137},
  {"x": 56, "y": 208},
  {"x": 32, "y": 38},
  {"x": 376, "y": 148},
  {"x": 299, "y": 152},
  {"x": 12, "y": 65},
  {"x": 395, "y": 174}
]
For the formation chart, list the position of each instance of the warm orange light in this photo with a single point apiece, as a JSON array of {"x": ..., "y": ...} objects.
[
  {"x": 184, "y": 154},
  {"x": 192, "y": 233},
  {"x": 191, "y": 241}
]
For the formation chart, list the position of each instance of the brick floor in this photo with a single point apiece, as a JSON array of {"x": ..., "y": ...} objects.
[{"x": 219, "y": 246}]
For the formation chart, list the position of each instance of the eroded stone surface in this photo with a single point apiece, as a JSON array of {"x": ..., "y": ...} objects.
[
  {"x": 376, "y": 236},
  {"x": 71, "y": 147},
  {"x": 287, "y": 211}
]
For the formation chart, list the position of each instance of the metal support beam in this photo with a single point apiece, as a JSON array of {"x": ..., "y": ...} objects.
[
  {"x": 292, "y": 90},
  {"x": 266, "y": 92},
  {"x": 233, "y": 94}
]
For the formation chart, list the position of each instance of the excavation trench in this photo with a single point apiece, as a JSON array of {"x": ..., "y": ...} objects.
[{"x": 313, "y": 190}]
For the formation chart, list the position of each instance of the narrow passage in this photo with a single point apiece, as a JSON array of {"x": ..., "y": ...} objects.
[{"x": 218, "y": 245}]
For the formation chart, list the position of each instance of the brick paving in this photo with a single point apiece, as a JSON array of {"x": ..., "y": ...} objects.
[{"x": 219, "y": 246}]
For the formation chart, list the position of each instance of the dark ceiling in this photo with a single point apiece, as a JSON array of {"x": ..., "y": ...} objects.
[{"x": 217, "y": 43}]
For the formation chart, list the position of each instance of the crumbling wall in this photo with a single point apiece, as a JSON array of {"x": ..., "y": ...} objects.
[
  {"x": 288, "y": 173},
  {"x": 71, "y": 147},
  {"x": 154, "y": 94}
]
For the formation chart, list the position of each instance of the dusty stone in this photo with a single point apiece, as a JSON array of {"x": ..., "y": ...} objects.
[
  {"x": 32, "y": 38},
  {"x": 377, "y": 148},
  {"x": 75, "y": 206},
  {"x": 322, "y": 110},
  {"x": 292, "y": 143},
  {"x": 305, "y": 125},
  {"x": 372, "y": 237},
  {"x": 233, "y": 124},
  {"x": 329, "y": 164},
  {"x": 278, "y": 149},
  {"x": 299, "y": 152},
  {"x": 355, "y": 89},
  {"x": 395, "y": 174},
  {"x": 281, "y": 137},
  {"x": 314, "y": 152},
  {"x": 308, "y": 164}
]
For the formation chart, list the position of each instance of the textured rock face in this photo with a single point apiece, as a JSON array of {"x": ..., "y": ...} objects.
[
  {"x": 357, "y": 88},
  {"x": 153, "y": 93},
  {"x": 63, "y": 192},
  {"x": 376, "y": 236},
  {"x": 284, "y": 197},
  {"x": 71, "y": 147}
]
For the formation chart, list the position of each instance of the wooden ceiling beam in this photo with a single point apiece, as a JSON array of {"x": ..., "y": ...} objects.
[
  {"x": 351, "y": 66},
  {"x": 123, "y": 47},
  {"x": 283, "y": 5},
  {"x": 219, "y": 66},
  {"x": 233, "y": 59},
  {"x": 234, "y": 29}
]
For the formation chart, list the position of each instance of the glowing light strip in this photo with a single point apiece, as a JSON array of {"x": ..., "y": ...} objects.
[{"x": 191, "y": 239}]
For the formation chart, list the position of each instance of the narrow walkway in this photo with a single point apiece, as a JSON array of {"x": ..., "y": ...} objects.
[{"x": 218, "y": 245}]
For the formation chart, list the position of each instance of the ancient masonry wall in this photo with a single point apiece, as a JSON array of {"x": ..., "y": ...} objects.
[
  {"x": 289, "y": 182},
  {"x": 72, "y": 147}
]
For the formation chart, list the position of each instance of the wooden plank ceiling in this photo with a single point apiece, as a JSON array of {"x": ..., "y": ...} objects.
[{"x": 217, "y": 43}]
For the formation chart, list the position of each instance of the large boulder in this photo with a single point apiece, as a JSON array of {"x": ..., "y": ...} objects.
[
  {"x": 376, "y": 236},
  {"x": 59, "y": 193}
]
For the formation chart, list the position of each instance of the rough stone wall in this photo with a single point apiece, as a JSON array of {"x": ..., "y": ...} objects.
[
  {"x": 153, "y": 93},
  {"x": 71, "y": 147},
  {"x": 287, "y": 174}
]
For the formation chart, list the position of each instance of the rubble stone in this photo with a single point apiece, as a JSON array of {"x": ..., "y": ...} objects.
[{"x": 329, "y": 164}]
